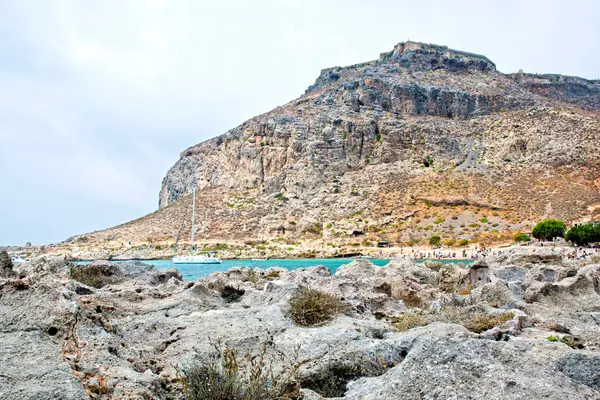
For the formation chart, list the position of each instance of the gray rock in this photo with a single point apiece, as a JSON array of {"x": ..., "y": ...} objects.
[
  {"x": 128, "y": 339},
  {"x": 6, "y": 265},
  {"x": 445, "y": 362},
  {"x": 583, "y": 368}
]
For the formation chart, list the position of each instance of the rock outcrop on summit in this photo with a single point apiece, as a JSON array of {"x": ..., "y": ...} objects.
[{"x": 385, "y": 148}]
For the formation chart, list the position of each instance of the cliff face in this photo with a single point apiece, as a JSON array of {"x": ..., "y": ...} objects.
[
  {"x": 350, "y": 117},
  {"x": 389, "y": 148}
]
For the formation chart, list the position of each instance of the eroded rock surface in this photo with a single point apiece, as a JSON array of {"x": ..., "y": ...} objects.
[{"x": 129, "y": 338}]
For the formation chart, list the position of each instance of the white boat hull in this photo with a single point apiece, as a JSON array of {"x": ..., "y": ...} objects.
[{"x": 196, "y": 260}]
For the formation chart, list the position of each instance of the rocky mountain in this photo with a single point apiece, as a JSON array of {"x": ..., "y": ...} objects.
[{"x": 424, "y": 140}]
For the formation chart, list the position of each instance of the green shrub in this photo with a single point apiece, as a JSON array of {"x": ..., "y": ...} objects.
[
  {"x": 280, "y": 197},
  {"x": 435, "y": 240},
  {"x": 474, "y": 225},
  {"x": 310, "y": 307},
  {"x": 549, "y": 229},
  {"x": 484, "y": 220},
  {"x": 566, "y": 340},
  {"x": 521, "y": 237},
  {"x": 428, "y": 161},
  {"x": 463, "y": 242},
  {"x": 438, "y": 221}
]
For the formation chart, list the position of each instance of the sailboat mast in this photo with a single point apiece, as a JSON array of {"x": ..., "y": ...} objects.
[{"x": 193, "y": 214}]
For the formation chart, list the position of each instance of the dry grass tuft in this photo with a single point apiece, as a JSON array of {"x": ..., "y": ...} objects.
[
  {"x": 409, "y": 321},
  {"x": 473, "y": 318},
  {"x": 225, "y": 376},
  {"x": 273, "y": 274},
  {"x": 310, "y": 307}
]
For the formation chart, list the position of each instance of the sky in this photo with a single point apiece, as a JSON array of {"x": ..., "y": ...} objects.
[{"x": 99, "y": 97}]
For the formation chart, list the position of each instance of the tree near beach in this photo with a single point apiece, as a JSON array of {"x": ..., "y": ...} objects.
[
  {"x": 549, "y": 229},
  {"x": 582, "y": 235}
]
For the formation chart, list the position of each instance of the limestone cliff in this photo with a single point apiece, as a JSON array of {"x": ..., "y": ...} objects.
[{"x": 424, "y": 140}]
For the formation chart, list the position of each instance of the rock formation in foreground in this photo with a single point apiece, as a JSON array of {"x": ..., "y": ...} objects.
[
  {"x": 423, "y": 141},
  {"x": 522, "y": 325}
]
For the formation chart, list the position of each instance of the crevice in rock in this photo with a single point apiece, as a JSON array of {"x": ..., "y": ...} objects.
[
  {"x": 231, "y": 294},
  {"x": 332, "y": 381}
]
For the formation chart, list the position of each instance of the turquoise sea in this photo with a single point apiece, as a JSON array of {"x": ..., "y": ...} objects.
[{"x": 191, "y": 272}]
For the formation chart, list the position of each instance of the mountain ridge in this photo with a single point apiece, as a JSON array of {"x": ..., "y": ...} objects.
[{"x": 382, "y": 150}]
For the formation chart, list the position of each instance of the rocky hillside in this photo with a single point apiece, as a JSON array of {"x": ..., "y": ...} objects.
[
  {"x": 424, "y": 140},
  {"x": 523, "y": 325}
]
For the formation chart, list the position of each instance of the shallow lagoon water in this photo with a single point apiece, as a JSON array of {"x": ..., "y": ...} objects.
[{"x": 192, "y": 272}]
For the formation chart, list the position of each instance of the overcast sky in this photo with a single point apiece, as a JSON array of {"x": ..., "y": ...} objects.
[{"x": 98, "y": 98}]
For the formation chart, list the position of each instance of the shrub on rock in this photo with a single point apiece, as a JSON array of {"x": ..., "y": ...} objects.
[
  {"x": 225, "y": 375},
  {"x": 310, "y": 307}
]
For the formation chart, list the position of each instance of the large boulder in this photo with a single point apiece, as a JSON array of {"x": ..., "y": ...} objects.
[
  {"x": 447, "y": 362},
  {"x": 37, "y": 317},
  {"x": 101, "y": 273},
  {"x": 6, "y": 265}
]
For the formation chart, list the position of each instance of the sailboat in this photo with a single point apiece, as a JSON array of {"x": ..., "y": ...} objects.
[{"x": 208, "y": 258}]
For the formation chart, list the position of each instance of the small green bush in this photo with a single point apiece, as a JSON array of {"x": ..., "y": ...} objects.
[
  {"x": 484, "y": 220},
  {"x": 435, "y": 240},
  {"x": 310, "y": 307},
  {"x": 463, "y": 242},
  {"x": 521, "y": 237},
  {"x": 428, "y": 161},
  {"x": 438, "y": 221},
  {"x": 280, "y": 197}
]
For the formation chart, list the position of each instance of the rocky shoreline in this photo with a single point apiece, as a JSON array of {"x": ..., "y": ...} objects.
[{"x": 515, "y": 326}]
